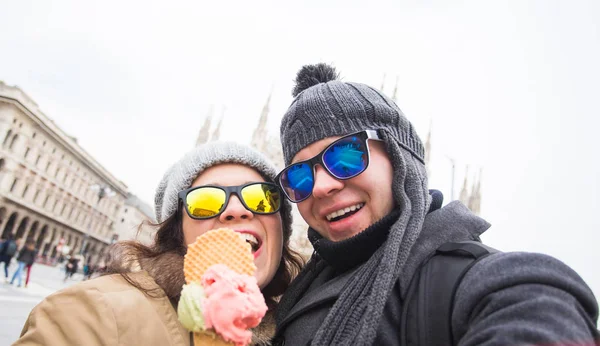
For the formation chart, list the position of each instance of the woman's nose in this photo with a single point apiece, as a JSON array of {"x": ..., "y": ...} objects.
[{"x": 235, "y": 210}]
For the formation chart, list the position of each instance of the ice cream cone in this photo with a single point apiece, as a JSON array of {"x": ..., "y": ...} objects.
[
  {"x": 221, "y": 290},
  {"x": 218, "y": 246},
  {"x": 203, "y": 339}
]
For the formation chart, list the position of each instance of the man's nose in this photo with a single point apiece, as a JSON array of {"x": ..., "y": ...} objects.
[{"x": 325, "y": 184}]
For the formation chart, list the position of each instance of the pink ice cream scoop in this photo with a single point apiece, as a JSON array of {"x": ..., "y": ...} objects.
[{"x": 233, "y": 303}]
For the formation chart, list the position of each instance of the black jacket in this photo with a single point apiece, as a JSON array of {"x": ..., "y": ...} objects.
[
  {"x": 506, "y": 299},
  {"x": 27, "y": 256}
]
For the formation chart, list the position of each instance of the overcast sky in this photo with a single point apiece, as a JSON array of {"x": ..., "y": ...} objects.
[{"x": 509, "y": 87}]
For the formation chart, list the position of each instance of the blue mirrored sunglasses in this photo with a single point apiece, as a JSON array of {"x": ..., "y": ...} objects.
[{"x": 343, "y": 159}]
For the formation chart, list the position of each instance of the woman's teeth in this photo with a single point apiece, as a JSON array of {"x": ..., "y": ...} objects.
[
  {"x": 250, "y": 239},
  {"x": 338, "y": 214}
]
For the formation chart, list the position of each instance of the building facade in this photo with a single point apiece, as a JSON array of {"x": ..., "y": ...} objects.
[
  {"x": 51, "y": 190},
  {"x": 133, "y": 221}
]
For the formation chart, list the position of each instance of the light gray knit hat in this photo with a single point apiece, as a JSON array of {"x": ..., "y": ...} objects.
[
  {"x": 181, "y": 175},
  {"x": 325, "y": 107}
]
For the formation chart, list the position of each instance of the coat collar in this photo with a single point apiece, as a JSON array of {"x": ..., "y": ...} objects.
[
  {"x": 452, "y": 223},
  {"x": 330, "y": 291}
]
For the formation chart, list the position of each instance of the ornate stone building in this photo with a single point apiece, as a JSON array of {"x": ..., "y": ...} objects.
[
  {"x": 51, "y": 190},
  {"x": 132, "y": 218},
  {"x": 470, "y": 195}
]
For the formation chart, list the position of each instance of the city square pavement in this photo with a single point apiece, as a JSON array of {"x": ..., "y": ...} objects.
[{"x": 16, "y": 303}]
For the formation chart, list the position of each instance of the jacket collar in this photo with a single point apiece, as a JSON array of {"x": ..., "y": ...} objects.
[
  {"x": 326, "y": 293},
  {"x": 452, "y": 223}
]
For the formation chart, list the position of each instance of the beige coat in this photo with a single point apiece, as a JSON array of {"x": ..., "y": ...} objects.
[{"x": 108, "y": 311}]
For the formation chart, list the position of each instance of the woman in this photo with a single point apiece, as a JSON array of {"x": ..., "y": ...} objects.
[{"x": 135, "y": 303}]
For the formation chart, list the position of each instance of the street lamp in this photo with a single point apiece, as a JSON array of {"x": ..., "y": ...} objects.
[{"x": 102, "y": 191}]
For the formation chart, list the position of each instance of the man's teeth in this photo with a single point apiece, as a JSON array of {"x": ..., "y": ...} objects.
[
  {"x": 344, "y": 211},
  {"x": 249, "y": 238}
]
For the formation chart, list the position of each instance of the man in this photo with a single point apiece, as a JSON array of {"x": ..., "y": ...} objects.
[
  {"x": 355, "y": 166},
  {"x": 8, "y": 249}
]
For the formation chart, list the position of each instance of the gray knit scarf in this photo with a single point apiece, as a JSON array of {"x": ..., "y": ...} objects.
[{"x": 354, "y": 318}]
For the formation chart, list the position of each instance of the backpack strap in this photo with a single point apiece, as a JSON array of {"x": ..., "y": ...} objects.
[{"x": 427, "y": 310}]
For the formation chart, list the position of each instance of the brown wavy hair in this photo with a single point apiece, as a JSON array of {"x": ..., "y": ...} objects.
[{"x": 163, "y": 260}]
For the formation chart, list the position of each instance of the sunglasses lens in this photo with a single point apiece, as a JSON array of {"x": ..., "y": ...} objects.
[
  {"x": 205, "y": 202},
  {"x": 298, "y": 181},
  {"x": 262, "y": 198},
  {"x": 347, "y": 157}
]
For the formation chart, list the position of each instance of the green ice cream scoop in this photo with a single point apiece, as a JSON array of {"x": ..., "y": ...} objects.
[{"x": 189, "y": 309}]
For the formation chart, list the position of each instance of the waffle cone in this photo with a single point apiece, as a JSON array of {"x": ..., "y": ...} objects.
[
  {"x": 202, "y": 339},
  {"x": 220, "y": 246}
]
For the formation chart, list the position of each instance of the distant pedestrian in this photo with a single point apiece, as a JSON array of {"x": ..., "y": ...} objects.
[
  {"x": 90, "y": 270},
  {"x": 26, "y": 256},
  {"x": 29, "y": 265},
  {"x": 8, "y": 249},
  {"x": 71, "y": 266}
]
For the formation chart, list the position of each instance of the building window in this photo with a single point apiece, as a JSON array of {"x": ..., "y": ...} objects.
[
  {"x": 122, "y": 220},
  {"x": 45, "y": 201},
  {"x": 62, "y": 211},
  {"x": 14, "y": 184},
  {"x": 44, "y": 144},
  {"x": 12, "y": 143},
  {"x": 26, "y": 153},
  {"x": 25, "y": 191},
  {"x": 37, "y": 193},
  {"x": 34, "y": 134},
  {"x": 38, "y": 159},
  {"x": 8, "y": 134},
  {"x": 48, "y": 165}
]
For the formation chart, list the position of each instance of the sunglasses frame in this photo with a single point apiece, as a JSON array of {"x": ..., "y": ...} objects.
[
  {"x": 229, "y": 190},
  {"x": 364, "y": 135}
]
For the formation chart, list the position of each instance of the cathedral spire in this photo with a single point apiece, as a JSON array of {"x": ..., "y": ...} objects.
[
  {"x": 475, "y": 200},
  {"x": 217, "y": 132},
  {"x": 204, "y": 133},
  {"x": 382, "y": 83},
  {"x": 260, "y": 133},
  {"x": 428, "y": 146},
  {"x": 464, "y": 192},
  {"x": 395, "y": 94}
]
